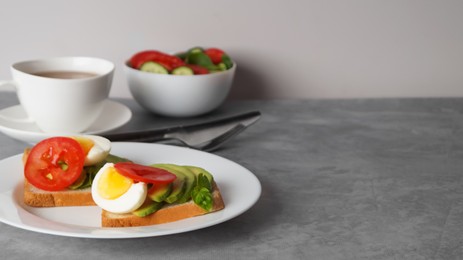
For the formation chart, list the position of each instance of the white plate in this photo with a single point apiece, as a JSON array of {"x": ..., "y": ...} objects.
[
  {"x": 114, "y": 115},
  {"x": 239, "y": 187}
]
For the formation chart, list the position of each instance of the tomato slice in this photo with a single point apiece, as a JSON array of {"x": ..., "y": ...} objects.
[
  {"x": 170, "y": 61},
  {"x": 144, "y": 173},
  {"x": 54, "y": 163},
  {"x": 197, "y": 69},
  {"x": 215, "y": 54}
]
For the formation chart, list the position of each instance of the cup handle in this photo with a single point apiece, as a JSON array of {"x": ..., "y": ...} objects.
[{"x": 9, "y": 85}]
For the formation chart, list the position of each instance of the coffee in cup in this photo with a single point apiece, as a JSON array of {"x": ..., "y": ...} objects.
[{"x": 62, "y": 95}]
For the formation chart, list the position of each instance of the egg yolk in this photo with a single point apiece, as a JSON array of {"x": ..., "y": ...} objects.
[
  {"x": 112, "y": 184},
  {"x": 85, "y": 143}
]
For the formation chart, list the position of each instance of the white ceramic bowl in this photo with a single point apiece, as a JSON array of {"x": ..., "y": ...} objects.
[{"x": 179, "y": 95}]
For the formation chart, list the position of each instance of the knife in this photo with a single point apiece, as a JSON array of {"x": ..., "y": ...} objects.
[{"x": 203, "y": 136}]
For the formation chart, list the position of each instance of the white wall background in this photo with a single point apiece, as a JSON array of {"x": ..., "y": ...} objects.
[{"x": 284, "y": 49}]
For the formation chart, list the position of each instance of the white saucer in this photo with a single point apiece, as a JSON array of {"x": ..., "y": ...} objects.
[{"x": 114, "y": 115}]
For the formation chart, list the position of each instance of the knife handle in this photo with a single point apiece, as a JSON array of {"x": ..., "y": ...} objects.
[
  {"x": 141, "y": 136},
  {"x": 155, "y": 135}
]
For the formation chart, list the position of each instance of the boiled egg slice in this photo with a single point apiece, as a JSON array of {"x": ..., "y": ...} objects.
[
  {"x": 96, "y": 148},
  {"x": 116, "y": 193}
]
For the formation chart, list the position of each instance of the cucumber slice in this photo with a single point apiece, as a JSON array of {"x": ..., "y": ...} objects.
[
  {"x": 151, "y": 66},
  {"x": 182, "y": 70},
  {"x": 222, "y": 66},
  {"x": 195, "y": 49}
]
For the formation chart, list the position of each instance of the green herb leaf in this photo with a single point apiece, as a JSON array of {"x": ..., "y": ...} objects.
[
  {"x": 203, "y": 182},
  {"x": 202, "y": 197},
  {"x": 202, "y": 192},
  {"x": 199, "y": 58}
]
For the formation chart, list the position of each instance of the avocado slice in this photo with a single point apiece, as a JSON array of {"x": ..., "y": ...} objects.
[
  {"x": 148, "y": 207},
  {"x": 197, "y": 170},
  {"x": 159, "y": 193},
  {"x": 179, "y": 185},
  {"x": 190, "y": 180},
  {"x": 115, "y": 159}
]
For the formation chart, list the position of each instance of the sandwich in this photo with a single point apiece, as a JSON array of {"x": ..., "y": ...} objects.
[
  {"x": 138, "y": 195},
  {"x": 59, "y": 172}
]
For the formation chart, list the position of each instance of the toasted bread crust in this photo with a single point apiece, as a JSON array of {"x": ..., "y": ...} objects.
[
  {"x": 168, "y": 213},
  {"x": 35, "y": 197}
]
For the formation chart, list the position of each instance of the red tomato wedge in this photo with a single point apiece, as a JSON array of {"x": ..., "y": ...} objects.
[
  {"x": 215, "y": 55},
  {"x": 197, "y": 70},
  {"x": 144, "y": 173},
  {"x": 54, "y": 163},
  {"x": 170, "y": 61}
]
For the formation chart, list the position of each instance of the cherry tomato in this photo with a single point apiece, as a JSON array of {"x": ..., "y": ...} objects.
[
  {"x": 169, "y": 60},
  {"x": 197, "y": 70},
  {"x": 215, "y": 54},
  {"x": 54, "y": 163},
  {"x": 144, "y": 173}
]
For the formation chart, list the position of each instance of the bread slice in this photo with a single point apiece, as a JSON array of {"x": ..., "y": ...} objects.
[
  {"x": 169, "y": 213},
  {"x": 36, "y": 197}
]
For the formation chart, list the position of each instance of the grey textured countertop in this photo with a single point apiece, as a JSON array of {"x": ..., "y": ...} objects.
[{"x": 341, "y": 179}]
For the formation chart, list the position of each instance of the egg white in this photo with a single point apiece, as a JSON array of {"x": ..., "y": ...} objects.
[
  {"x": 99, "y": 151},
  {"x": 127, "y": 202}
]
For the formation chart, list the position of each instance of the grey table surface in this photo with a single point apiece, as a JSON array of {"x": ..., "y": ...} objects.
[{"x": 341, "y": 179}]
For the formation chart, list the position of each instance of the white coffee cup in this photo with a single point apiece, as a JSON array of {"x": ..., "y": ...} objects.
[{"x": 58, "y": 103}]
